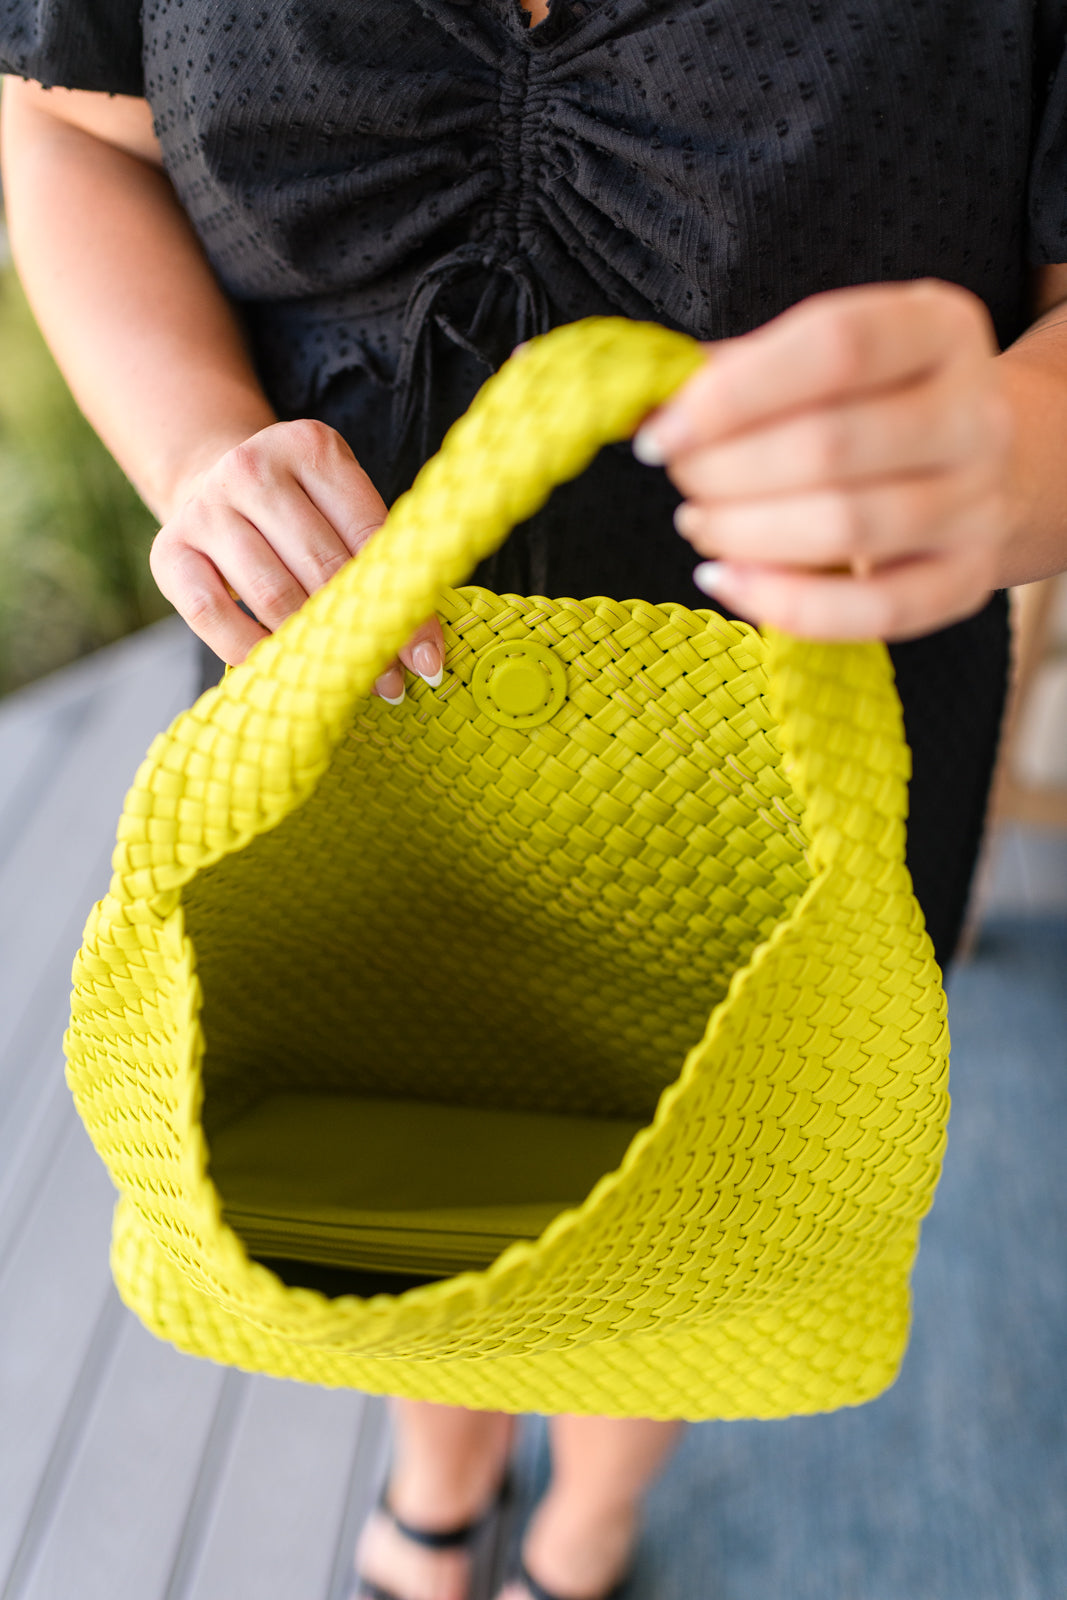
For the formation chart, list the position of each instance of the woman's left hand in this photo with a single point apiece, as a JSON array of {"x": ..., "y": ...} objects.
[{"x": 847, "y": 466}]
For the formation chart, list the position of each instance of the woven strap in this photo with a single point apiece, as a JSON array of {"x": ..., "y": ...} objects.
[{"x": 275, "y": 721}]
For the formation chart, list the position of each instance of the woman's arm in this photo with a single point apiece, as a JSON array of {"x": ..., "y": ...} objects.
[
  {"x": 120, "y": 287},
  {"x": 868, "y": 465},
  {"x": 153, "y": 353},
  {"x": 1034, "y": 373}
]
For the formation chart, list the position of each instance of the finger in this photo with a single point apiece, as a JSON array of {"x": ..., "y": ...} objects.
[
  {"x": 425, "y": 652},
  {"x": 938, "y": 424},
  {"x": 843, "y": 342},
  {"x": 900, "y": 602},
  {"x": 198, "y": 593},
  {"x": 299, "y": 483},
  {"x": 333, "y": 480},
  {"x": 842, "y": 527},
  {"x": 243, "y": 558},
  {"x": 390, "y": 686},
  {"x": 304, "y": 541},
  {"x": 248, "y": 563}
]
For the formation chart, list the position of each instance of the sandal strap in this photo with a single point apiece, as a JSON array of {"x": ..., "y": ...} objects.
[
  {"x": 447, "y": 1538},
  {"x": 364, "y": 1589},
  {"x": 539, "y": 1592}
]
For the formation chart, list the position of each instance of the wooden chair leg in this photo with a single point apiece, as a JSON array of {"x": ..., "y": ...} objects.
[{"x": 1011, "y": 799}]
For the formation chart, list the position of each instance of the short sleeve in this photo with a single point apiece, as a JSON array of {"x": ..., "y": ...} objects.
[
  {"x": 74, "y": 44},
  {"x": 1047, "y": 237}
]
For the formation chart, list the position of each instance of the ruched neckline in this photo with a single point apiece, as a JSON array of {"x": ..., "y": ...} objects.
[{"x": 394, "y": 194}]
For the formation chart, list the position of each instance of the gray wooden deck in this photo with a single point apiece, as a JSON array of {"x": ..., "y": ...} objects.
[
  {"x": 126, "y": 1470},
  {"x": 132, "y": 1473}
]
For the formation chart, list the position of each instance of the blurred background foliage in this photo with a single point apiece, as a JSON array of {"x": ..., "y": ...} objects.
[{"x": 74, "y": 536}]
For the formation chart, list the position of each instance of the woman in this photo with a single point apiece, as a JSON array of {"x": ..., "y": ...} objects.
[{"x": 280, "y": 262}]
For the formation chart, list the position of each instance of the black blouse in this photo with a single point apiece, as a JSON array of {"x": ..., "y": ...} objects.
[{"x": 395, "y": 192}]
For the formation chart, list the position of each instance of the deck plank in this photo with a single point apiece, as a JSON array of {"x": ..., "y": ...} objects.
[
  {"x": 282, "y": 1495},
  {"x": 34, "y": 1093},
  {"x": 366, "y": 1474},
  {"x": 117, "y": 1522},
  {"x": 99, "y": 717},
  {"x": 53, "y": 1290},
  {"x": 31, "y": 749},
  {"x": 52, "y": 878},
  {"x": 36, "y": 723}
]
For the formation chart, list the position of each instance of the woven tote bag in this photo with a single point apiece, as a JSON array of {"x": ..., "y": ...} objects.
[{"x": 586, "y": 994}]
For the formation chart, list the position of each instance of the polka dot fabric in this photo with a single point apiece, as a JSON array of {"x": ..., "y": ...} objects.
[
  {"x": 711, "y": 822},
  {"x": 394, "y": 194}
]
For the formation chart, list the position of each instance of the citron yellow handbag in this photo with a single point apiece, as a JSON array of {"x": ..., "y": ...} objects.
[{"x": 583, "y": 1001}]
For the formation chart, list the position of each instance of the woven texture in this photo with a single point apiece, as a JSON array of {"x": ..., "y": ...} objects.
[{"x": 681, "y": 898}]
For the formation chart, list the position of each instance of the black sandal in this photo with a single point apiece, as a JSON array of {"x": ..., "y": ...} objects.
[
  {"x": 463, "y": 1537},
  {"x": 539, "y": 1592}
]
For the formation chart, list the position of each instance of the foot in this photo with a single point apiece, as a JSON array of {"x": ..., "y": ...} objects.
[
  {"x": 390, "y": 1561},
  {"x": 387, "y": 1563},
  {"x": 575, "y": 1553}
]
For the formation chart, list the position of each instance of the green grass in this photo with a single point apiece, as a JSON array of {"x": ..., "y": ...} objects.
[{"x": 74, "y": 536}]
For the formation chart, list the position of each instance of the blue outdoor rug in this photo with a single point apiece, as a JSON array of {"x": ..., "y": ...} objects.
[{"x": 953, "y": 1486}]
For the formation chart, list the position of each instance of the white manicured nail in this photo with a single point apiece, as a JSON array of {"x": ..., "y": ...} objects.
[
  {"x": 428, "y": 663},
  {"x": 646, "y": 447},
  {"x": 709, "y": 576},
  {"x": 387, "y": 681}
]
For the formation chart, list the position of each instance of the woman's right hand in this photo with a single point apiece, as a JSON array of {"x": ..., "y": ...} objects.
[{"x": 268, "y": 523}]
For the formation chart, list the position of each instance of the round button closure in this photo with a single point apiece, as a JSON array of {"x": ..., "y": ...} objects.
[
  {"x": 520, "y": 687},
  {"x": 519, "y": 683}
]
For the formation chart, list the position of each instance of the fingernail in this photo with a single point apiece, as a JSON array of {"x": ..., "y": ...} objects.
[
  {"x": 711, "y": 576},
  {"x": 428, "y": 664},
  {"x": 388, "y": 680},
  {"x": 686, "y": 518},
  {"x": 647, "y": 448}
]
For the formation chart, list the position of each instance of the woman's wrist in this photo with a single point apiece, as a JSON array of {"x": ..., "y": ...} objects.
[{"x": 1034, "y": 377}]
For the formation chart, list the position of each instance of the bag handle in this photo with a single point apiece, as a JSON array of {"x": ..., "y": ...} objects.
[{"x": 253, "y": 748}]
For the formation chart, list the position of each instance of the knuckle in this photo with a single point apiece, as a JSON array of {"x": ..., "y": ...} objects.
[
  {"x": 359, "y": 530},
  {"x": 248, "y": 463},
  {"x": 272, "y": 596},
  {"x": 201, "y": 608},
  {"x": 971, "y": 312},
  {"x": 962, "y": 307},
  {"x": 167, "y": 557},
  {"x": 329, "y": 562},
  {"x": 315, "y": 442},
  {"x": 846, "y": 348}
]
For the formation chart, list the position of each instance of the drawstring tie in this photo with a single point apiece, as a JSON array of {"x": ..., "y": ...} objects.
[{"x": 483, "y": 337}]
